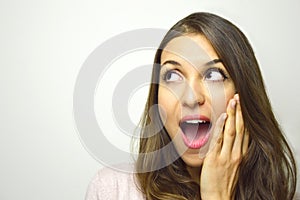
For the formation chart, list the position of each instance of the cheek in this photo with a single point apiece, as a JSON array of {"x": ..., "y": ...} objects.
[
  {"x": 169, "y": 96},
  {"x": 220, "y": 96},
  {"x": 167, "y": 100},
  {"x": 229, "y": 93},
  {"x": 168, "y": 108}
]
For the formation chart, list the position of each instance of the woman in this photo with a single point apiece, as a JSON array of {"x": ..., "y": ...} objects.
[{"x": 213, "y": 135}]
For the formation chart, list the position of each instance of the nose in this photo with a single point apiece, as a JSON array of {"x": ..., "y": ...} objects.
[{"x": 194, "y": 94}]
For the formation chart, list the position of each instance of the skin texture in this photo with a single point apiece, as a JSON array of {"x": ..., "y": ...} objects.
[{"x": 189, "y": 91}]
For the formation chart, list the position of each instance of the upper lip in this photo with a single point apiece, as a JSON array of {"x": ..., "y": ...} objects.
[{"x": 200, "y": 118}]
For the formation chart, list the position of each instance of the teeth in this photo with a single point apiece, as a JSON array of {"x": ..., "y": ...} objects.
[{"x": 195, "y": 121}]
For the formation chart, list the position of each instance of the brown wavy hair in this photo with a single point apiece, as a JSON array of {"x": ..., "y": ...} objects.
[{"x": 268, "y": 171}]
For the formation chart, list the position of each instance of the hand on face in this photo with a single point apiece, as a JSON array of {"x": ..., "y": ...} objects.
[{"x": 220, "y": 167}]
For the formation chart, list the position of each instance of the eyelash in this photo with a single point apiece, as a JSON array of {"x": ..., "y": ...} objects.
[
  {"x": 213, "y": 69},
  {"x": 166, "y": 73},
  {"x": 216, "y": 69}
]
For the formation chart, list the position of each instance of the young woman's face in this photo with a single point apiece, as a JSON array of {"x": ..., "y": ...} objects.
[{"x": 194, "y": 90}]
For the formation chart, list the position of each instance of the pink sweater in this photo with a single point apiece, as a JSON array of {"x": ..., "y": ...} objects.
[{"x": 109, "y": 184}]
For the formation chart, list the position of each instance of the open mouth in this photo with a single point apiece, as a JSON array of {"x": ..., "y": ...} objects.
[{"x": 195, "y": 132}]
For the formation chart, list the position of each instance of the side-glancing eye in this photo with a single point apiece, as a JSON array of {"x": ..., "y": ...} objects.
[
  {"x": 172, "y": 76},
  {"x": 215, "y": 75}
]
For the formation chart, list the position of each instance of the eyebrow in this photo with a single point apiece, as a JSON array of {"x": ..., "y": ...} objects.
[
  {"x": 173, "y": 62},
  {"x": 214, "y": 61}
]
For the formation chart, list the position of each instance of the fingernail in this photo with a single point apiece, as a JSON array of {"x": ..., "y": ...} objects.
[
  {"x": 224, "y": 116},
  {"x": 233, "y": 103},
  {"x": 237, "y": 97}
]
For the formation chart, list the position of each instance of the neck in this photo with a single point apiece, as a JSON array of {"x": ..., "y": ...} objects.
[{"x": 195, "y": 173}]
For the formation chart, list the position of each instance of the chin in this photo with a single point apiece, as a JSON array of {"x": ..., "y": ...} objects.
[{"x": 192, "y": 160}]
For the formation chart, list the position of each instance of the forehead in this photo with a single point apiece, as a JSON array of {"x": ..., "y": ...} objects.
[{"x": 193, "y": 48}]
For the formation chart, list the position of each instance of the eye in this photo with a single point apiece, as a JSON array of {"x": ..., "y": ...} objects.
[
  {"x": 172, "y": 76},
  {"x": 215, "y": 75}
]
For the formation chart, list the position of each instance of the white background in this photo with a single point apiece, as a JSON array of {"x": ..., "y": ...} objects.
[{"x": 43, "y": 45}]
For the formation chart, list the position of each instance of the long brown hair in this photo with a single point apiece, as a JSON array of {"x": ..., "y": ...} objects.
[{"x": 267, "y": 172}]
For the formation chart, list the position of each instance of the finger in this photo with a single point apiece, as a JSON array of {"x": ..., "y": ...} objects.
[
  {"x": 229, "y": 131},
  {"x": 245, "y": 142},
  {"x": 217, "y": 138},
  {"x": 239, "y": 127}
]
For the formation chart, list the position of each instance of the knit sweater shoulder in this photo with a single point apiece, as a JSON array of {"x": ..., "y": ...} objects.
[{"x": 110, "y": 184}]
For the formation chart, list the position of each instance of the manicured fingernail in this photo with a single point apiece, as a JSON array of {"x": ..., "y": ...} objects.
[
  {"x": 224, "y": 116},
  {"x": 233, "y": 103},
  {"x": 237, "y": 97}
]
